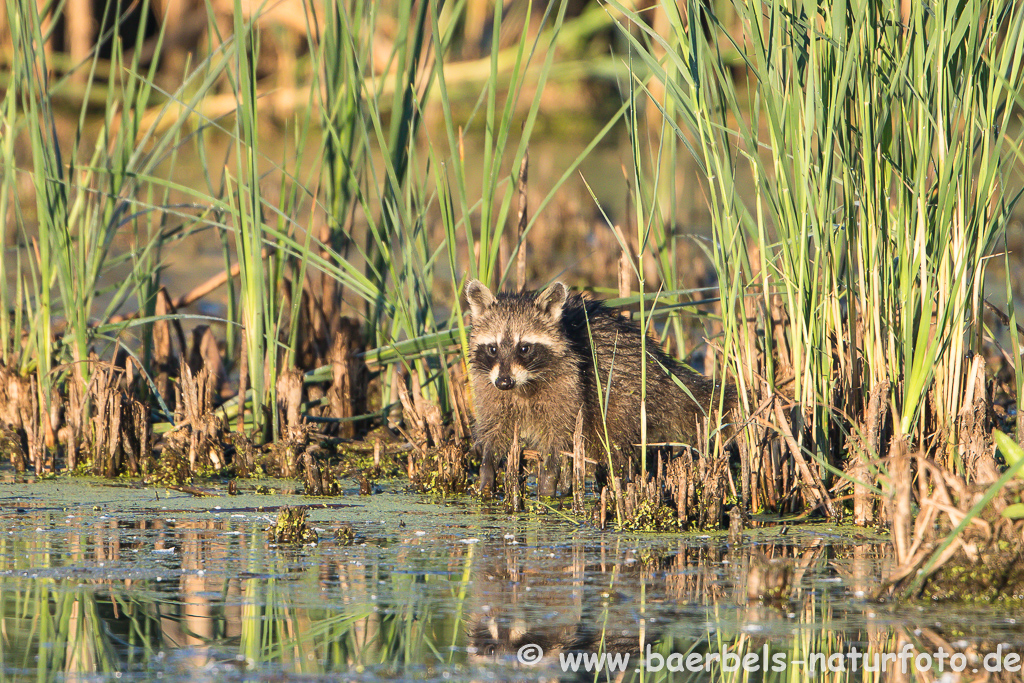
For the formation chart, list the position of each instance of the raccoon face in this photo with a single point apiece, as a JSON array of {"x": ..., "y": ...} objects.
[{"x": 515, "y": 336}]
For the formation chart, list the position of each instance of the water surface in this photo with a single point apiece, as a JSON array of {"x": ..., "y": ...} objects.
[{"x": 104, "y": 580}]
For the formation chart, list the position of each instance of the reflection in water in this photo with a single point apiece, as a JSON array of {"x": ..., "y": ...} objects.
[{"x": 458, "y": 597}]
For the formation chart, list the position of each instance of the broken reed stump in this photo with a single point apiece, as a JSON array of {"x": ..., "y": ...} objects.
[
  {"x": 165, "y": 360},
  {"x": 865, "y": 453},
  {"x": 19, "y": 416},
  {"x": 246, "y": 455},
  {"x": 350, "y": 377},
  {"x": 118, "y": 438},
  {"x": 200, "y": 432},
  {"x": 642, "y": 507},
  {"x": 314, "y": 479},
  {"x": 423, "y": 428},
  {"x": 685, "y": 491},
  {"x": 205, "y": 353},
  {"x": 973, "y": 426},
  {"x": 422, "y": 418},
  {"x": 200, "y": 427},
  {"x": 461, "y": 416},
  {"x": 515, "y": 481},
  {"x": 443, "y": 470},
  {"x": 320, "y": 480},
  {"x": 289, "y": 405}
]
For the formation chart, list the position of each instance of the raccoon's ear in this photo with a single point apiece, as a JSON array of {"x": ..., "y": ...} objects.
[
  {"x": 479, "y": 297},
  {"x": 551, "y": 300}
]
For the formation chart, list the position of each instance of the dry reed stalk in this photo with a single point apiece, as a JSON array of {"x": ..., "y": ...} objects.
[
  {"x": 625, "y": 269},
  {"x": 244, "y": 460},
  {"x": 142, "y": 446},
  {"x": 974, "y": 426},
  {"x": 415, "y": 424},
  {"x": 70, "y": 434},
  {"x": 814, "y": 489},
  {"x": 350, "y": 377},
  {"x": 579, "y": 465},
  {"x": 103, "y": 442},
  {"x": 873, "y": 426},
  {"x": 524, "y": 217},
  {"x": 340, "y": 392},
  {"x": 243, "y": 383},
  {"x": 19, "y": 412},
  {"x": 330, "y": 287},
  {"x": 434, "y": 421},
  {"x": 603, "y": 508},
  {"x": 763, "y": 455},
  {"x": 514, "y": 479},
  {"x": 457, "y": 394},
  {"x": 289, "y": 405},
  {"x": 165, "y": 360},
  {"x": 898, "y": 501},
  {"x": 783, "y": 354},
  {"x": 712, "y": 468},
  {"x": 205, "y": 353},
  {"x": 745, "y": 469},
  {"x": 419, "y": 405},
  {"x": 680, "y": 485},
  {"x": 504, "y": 256}
]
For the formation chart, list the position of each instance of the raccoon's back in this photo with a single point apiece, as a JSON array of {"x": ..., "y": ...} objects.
[{"x": 597, "y": 333}]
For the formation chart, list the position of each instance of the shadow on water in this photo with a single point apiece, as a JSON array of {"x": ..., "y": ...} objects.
[{"x": 100, "y": 581}]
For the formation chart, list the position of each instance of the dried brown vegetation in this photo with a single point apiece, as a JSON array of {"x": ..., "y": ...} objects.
[
  {"x": 103, "y": 414},
  {"x": 925, "y": 503}
]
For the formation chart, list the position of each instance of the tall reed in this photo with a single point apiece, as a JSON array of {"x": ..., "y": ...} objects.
[
  {"x": 879, "y": 142},
  {"x": 83, "y": 202}
]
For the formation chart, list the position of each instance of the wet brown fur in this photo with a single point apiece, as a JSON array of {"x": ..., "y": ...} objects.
[{"x": 561, "y": 380}]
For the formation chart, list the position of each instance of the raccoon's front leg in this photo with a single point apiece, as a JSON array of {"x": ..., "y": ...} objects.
[
  {"x": 547, "y": 479},
  {"x": 487, "y": 467},
  {"x": 550, "y": 463},
  {"x": 493, "y": 452},
  {"x": 493, "y": 435}
]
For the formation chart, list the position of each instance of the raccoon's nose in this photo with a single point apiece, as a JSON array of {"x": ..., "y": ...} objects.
[{"x": 505, "y": 382}]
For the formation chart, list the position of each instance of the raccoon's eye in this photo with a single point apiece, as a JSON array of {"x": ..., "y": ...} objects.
[
  {"x": 525, "y": 349},
  {"x": 492, "y": 349}
]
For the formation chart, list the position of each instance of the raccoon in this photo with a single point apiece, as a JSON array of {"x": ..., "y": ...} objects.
[{"x": 533, "y": 357}]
